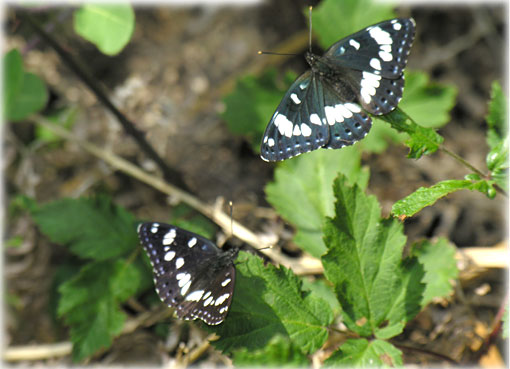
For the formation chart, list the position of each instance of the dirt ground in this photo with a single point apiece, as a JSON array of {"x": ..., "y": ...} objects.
[{"x": 167, "y": 81}]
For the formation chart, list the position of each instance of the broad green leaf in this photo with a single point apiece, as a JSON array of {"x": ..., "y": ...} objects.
[
  {"x": 363, "y": 353},
  {"x": 90, "y": 301},
  {"x": 355, "y": 15},
  {"x": 309, "y": 178},
  {"x": 109, "y": 27},
  {"x": 325, "y": 291},
  {"x": 364, "y": 264},
  {"x": 422, "y": 141},
  {"x": 426, "y": 196},
  {"x": 270, "y": 301},
  {"x": 438, "y": 260},
  {"x": 428, "y": 103},
  {"x": 24, "y": 93},
  {"x": 92, "y": 228},
  {"x": 13, "y": 77},
  {"x": 250, "y": 106},
  {"x": 279, "y": 352}
]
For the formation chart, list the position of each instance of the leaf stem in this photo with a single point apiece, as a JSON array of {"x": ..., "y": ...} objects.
[{"x": 427, "y": 352}]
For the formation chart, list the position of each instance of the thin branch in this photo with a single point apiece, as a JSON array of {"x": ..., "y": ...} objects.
[
  {"x": 304, "y": 265},
  {"x": 427, "y": 352},
  {"x": 37, "y": 352},
  {"x": 129, "y": 127}
]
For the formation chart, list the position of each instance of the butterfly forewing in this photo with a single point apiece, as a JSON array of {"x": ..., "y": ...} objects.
[
  {"x": 190, "y": 272},
  {"x": 382, "y": 48}
]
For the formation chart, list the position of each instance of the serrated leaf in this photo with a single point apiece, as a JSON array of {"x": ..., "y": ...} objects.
[
  {"x": 279, "y": 352},
  {"x": 426, "y": 102},
  {"x": 249, "y": 107},
  {"x": 362, "y": 353},
  {"x": 355, "y": 15},
  {"x": 309, "y": 178},
  {"x": 325, "y": 291},
  {"x": 92, "y": 228},
  {"x": 438, "y": 260},
  {"x": 364, "y": 264},
  {"x": 426, "y": 196},
  {"x": 270, "y": 301},
  {"x": 109, "y": 27},
  {"x": 90, "y": 302},
  {"x": 24, "y": 93},
  {"x": 422, "y": 141}
]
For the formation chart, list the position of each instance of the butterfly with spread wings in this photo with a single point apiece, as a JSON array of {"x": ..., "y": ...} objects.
[{"x": 326, "y": 107}]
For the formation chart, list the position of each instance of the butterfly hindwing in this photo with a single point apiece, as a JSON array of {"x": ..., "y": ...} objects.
[{"x": 190, "y": 272}]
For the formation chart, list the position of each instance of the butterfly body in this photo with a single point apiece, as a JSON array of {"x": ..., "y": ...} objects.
[
  {"x": 326, "y": 107},
  {"x": 191, "y": 273}
]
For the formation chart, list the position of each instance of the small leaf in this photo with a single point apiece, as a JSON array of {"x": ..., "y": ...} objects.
[
  {"x": 355, "y": 15},
  {"x": 309, "y": 178},
  {"x": 109, "y": 27},
  {"x": 24, "y": 93},
  {"x": 90, "y": 304},
  {"x": 426, "y": 196},
  {"x": 364, "y": 264},
  {"x": 362, "y": 353},
  {"x": 422, "y": 141},
  {"x": 269, "y": 301},
  {"x": 279, "y": 352},
  {"x": 438, "y": 260},
  {"x": 93, "y": 228},
  {"x": 249, "y": 107}
]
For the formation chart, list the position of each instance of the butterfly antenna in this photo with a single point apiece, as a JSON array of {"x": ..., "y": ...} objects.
[
  {"x": 273, "y": 53},
  {"x": 310, "y": 29}
]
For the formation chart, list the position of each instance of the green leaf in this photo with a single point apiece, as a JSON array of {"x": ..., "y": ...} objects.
[
  {"x": 362, "y": 353},
  {"x": 270, "y": 301},
  {"x": 90, "y": 302},
  {"x": 364, "y": 264},
  {"x": 426, "y": 196},
  {"x": 109, "y": 27},
  {"x": 325, "y": 291},
  {"x": 422, "y": 141},
  {"x": 24, "y": 93},
  {"x": 355, "y": 15},
  {"x": 279, "y": 352},
  {"x": 309, "y": 178},
  {"x": 249, "y": 107},
  {"x": 91, "y": 227},
  {"x": 438, "y": 260},
  {"x": 497, "y": 138},
  {"x": 426, "y": 102}
]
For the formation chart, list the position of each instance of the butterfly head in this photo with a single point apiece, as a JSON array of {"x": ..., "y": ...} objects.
[{"x": 311, "y": 58}]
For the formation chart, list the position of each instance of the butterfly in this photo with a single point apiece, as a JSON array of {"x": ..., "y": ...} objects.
[
  {"x": 191, "y": 273},
  {"x": 326, "y": 107}
]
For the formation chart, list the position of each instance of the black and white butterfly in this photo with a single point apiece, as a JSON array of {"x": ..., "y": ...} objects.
[
  {"x": 191, "y": 273},
  {"x": 326, "y": 106}
]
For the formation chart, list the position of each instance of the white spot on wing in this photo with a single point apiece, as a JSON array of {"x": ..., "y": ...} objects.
[
  {"x": 185, "y": 288},
  {"x": 169, "y": 237},
  {"x": 380, "y": 36},
  {"x": 353, "y": 107},
  {"x": 342, "y": 112},
  {"x": 208, "y": 301},
  {"x": 169, "y": 255},
  {"x": 295, "y": 99},
  {"x": 314, "y": 119},
  {"x": 296, "y": 131},
  {"x": 179, "y": 263},
  {"x": 225, "y": 282},
  {"x": 270, "y": 142},
  {"x": 192, "y": 242},
  {"x": 330, "y": 114},
  {"x": 221, "y": 299},
  {"x": 306, "y": 130},
  {"x": 154, "y": 227},
  {"x": 375, "y": 63},
  {"x": 354, "y": 44},
  {"x": 397, "y": 26},
  {"x": 385, "y": 56},
  {"x": 195, "y": 295},
  {"x": 284, "y": 125}
]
